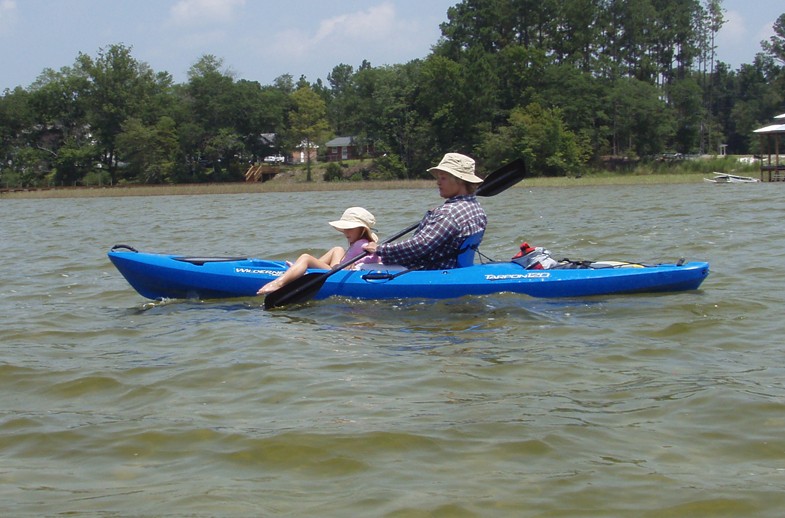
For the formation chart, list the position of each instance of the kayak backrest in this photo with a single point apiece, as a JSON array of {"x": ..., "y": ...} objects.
[{"x": 468, "y": 248}]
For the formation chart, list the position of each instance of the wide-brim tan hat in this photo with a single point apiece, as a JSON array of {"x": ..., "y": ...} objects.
[
  {"x": 458, "y": 165},
  {"x": 357, "y": 217}
]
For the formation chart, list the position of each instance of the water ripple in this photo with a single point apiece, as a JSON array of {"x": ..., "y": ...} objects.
[{"x": 639, "y": 405}]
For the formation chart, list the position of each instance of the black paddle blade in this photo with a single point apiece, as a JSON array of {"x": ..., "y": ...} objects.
[
  {"x": 503, "y": 178},
  {"x": 298, "y": 291}
]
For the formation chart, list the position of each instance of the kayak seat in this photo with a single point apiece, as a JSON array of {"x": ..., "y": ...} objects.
[{"x": 468, "y": 248}]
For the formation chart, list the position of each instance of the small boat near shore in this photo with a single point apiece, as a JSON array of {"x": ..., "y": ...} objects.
[{"x": 730, "y": 178}]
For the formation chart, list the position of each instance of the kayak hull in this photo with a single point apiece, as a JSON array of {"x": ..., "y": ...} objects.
[{"x": 164, "y": 276}]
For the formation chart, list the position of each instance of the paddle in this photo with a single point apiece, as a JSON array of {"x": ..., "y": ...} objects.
[{"x": 306, "y": 287}]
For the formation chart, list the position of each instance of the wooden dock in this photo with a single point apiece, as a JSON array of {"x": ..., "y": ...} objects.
[
  {"x": 772, "y": 140},
  {"x": 261, "y": 172}
]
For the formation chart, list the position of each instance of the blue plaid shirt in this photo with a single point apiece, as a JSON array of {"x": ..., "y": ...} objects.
[{"x": 437, "y": 240}]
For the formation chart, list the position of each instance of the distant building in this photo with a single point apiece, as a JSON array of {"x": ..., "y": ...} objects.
[
  {"x": 772, "y": 148},
  {"x": 345, "y": 148},
  {"x": 299, "y": 155}
]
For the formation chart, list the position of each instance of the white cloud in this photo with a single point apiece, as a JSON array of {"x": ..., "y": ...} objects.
[
  {"x": 734, "y": 30},
  {"x": 765, "y": 32},
  {"x": 378, "y": 26},
  {"x": 7, "y": 13},
  {"x": 736, "y": 42},
  {"x": 7, "y": 5},
  {"x": 204, "y": 12},
  {"x": 374, "y": 24}
]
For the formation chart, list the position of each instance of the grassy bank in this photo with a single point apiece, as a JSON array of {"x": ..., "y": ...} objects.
[
  {"x": 293, "y": 180},
  {"x": 243, "y": 188},
  {"x": 208, "y": 188}
]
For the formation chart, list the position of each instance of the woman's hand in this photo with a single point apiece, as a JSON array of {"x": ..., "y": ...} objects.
[{"x": 370, "y": 247}]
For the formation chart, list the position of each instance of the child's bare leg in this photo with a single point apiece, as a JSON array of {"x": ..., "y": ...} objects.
[
  {"x": 333, "y": 256},
  {"x": 297, "y": 270}
]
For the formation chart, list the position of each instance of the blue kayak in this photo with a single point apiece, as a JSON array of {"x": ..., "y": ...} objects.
[{"x": 164, "y": 276}]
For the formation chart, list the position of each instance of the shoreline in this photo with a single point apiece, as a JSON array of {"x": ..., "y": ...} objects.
[
  {"x": 273, "y": 186},
  {"x": 203, "y": 188}
]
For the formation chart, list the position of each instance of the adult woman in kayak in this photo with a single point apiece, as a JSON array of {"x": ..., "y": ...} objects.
[
  {"x": 436, "y": 243},
  {"x": 356, "y": 224}
]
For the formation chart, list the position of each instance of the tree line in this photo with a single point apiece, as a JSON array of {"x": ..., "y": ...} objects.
[{"x": 565, "y": 84}]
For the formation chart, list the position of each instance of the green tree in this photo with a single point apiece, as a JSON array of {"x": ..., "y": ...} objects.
[
  {"x": 758, "y": 97},
  {"x": 633, "y": 40},
  {"x": 212, "y": 123},
  {"x": 308, "y": 120},
  {"x": 57, "y": 107},
  {"x": 520, "y": 74},
  {"x": 51, "y": 120},
  {"x": 73, "y": 161},
  {"x": 284, "y": 83},
  {"x": 342, "y": 101},
  {"x": 677, "y": 42},
  {"x": 775, "y": 47},
  {"x": 710, "y": 23},
  {"x": 211, "y": 93},
  {"x": 578, "y": 33},
  {"x": 686, "y": 99},
  {"x": 492, "y": 25},
  {"x": 388, "y": 167},
  {"x": 16, "y": 115},
  {"x": 59, "y": 102},
  {"x": 150, "y": 152},
  {"x": 333, "y": 172},
  {"x": 540, "y": 136},
  {"x": 257, "y": 110},
  {"x": 222, "y": 149},
  {"x": 29, "y": 168},
  {"x": 583, "y": 101},
  {"x": 640, "y": 121},
  {"x": 393, "y": 124},
  {"x": 117, "y": 87},
  {"x": 441, "y": 101}
]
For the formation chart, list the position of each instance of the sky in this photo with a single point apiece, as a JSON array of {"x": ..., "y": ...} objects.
[{"x": 260, "y": 40}]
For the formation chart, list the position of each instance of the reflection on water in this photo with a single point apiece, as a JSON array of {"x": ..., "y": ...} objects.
[{"x": 638, "y": 405}]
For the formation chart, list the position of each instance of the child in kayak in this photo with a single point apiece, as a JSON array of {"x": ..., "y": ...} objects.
[{"x": 356, "y": 224}]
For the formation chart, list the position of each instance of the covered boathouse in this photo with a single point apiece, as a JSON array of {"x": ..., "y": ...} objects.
[{"x": 772, "y": 164}]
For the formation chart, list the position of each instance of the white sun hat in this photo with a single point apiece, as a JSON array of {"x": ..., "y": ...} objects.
[
  {"x": 458, "y": 165},
  {"x": 357, "y": 217}
]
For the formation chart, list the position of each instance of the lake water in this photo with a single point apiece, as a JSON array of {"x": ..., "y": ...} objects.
[{"x": 626, "y": 406}]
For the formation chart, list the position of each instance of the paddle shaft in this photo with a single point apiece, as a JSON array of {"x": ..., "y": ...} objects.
[{"x": 307, "y": 286}]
